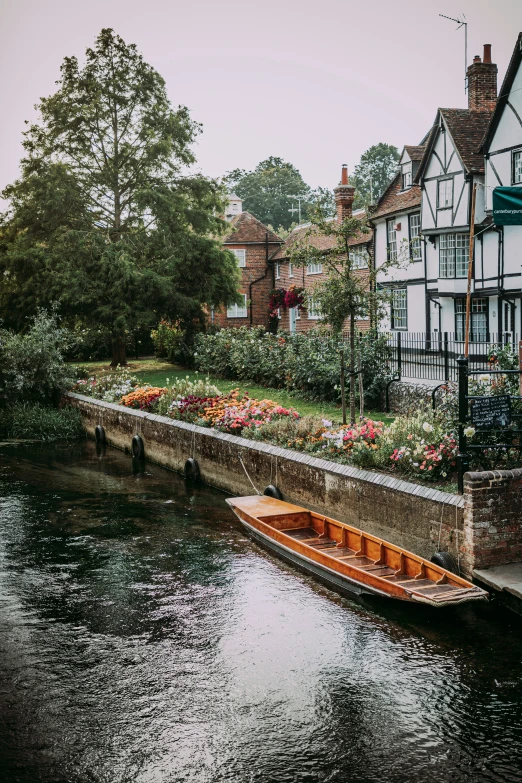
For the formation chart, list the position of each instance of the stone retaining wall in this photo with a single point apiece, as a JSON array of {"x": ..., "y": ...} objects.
[{"x": 479, "y": 528}]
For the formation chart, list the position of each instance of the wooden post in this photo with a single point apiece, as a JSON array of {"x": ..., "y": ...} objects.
[
  {"x": 470, "y": 269},
  {"x": 343, "y": 390}
]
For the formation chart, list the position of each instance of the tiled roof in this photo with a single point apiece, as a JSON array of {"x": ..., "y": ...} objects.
[
  {"x": 415, "y": 153},
  {"x": 396, "y": 200},
  {"x": 319, "y": 242},
  {"x": 247, "y": 228},
  {"x": 467, "y": 130}
]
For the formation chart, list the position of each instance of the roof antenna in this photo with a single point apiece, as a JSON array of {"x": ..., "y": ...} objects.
[{"x": 462, "y": 23}]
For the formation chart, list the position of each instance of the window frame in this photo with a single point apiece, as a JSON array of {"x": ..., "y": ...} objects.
[
  {"x": 359, "y": 251},
  {"x": 515, "y": 152},
  {"x": 439, "y": 182},
  {"x": 232, "y": 310},
  {"x": 237, "y": 250},
  {"x": 460, "y": 335},
  {"x": 392, "y": 254},
  {"x": 311, "y": 307},
  {"x": 277, "y": 271},
  {"x": 405, "y": 173},
  {"x": 314, "y": 269},
  {"x": 453, "y": 260},
  {"x": 417, "y": 236},
  {"x": 290, "y": 269},
  {"x": 393, "y": 307}
]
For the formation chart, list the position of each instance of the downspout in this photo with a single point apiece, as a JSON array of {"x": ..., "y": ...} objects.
[
  {"x": 257, "y": 280},
  {"x": 427, "y": 298}
]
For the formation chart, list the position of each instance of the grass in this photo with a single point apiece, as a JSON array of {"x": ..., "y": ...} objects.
[
  {"x": 38, "y": 422},
  {"x": 155, "y": 372}
]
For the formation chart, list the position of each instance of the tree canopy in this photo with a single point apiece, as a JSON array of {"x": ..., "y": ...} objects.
[
  {"x": 372, "y": 175},
  {"x": 273, "y": 189},
  {"x": 105, "y": 218}
]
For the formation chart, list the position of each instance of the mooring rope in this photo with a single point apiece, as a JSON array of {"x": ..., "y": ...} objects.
[{"x": 246, "y": 474}]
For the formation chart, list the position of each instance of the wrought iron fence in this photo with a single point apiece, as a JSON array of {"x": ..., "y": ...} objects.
[{"x": 433, "y": 356}]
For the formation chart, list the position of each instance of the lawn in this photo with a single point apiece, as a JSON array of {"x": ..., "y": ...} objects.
[{"x": 156, "y": 372}]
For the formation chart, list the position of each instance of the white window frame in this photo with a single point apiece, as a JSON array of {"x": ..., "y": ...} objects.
[
  {"x": 277, "y": 271},
  {"x": 312, "y": 311},
  {"x": 238, "y": 311},
  {"x": 359, "y": 257},
  {"x": 391, "y": 240},
  {"x": 453, "y": 256},
  {"x": 290, "y": 269},
  {"x": 478, "y": 322},
  {"x": 314, "y": 269},
  {"x": 414, "y": 224},
  {"x": 445, "y": 193},
  {"x": 517, "y": 167},
  {"x": 240, "y": 255},
  {"x": 399, "y": 309},
  {"x": 406, "y": 175}
]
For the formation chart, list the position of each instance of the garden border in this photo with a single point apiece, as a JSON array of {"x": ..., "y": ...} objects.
[{"x": 478, "y": 528}]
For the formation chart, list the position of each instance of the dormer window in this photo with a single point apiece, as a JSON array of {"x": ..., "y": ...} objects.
[{"x": 406, "y": 175}]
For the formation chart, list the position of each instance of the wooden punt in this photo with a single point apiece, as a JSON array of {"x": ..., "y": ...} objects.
[{"x": 347, "y": 559}]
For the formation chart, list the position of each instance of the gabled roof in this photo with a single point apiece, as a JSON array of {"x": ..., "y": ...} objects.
[
  {"x": 503, "y": 97},
  {"x": 467, "y": 129},
  {"x": 415, "y": 153},
  {"x": 248, "y": 229},
  {"x": 396, "y": 200},
  {"x": 318, "y": 241}
]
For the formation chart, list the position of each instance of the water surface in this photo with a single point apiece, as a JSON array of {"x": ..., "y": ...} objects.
[{"x": 144, "y": 638}]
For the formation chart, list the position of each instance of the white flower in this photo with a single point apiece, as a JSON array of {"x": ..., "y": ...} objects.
[
  {"x": 484, "y": 378},
  {"x": 469, "y": 432},
  {"x": 427, "y": 427},
  {"x": 326, "y": 423}
]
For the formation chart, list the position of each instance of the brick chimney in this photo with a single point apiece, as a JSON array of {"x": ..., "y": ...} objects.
[
  {"x": 482, "y": 82},
  {"x": 344, "y": 195}
]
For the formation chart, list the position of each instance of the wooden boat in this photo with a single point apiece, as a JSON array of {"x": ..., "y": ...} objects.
[{"x": 347, "y": 559}]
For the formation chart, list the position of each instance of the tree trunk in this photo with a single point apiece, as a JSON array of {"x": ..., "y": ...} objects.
[
  {"x": 119, "y": 356},
  {"x": 352, "y": 369}
]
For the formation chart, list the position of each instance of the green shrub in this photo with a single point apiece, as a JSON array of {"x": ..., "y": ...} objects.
[
  {"x": 41, "y": 422},
  {"x": 32, "y": 365},
  {"x": 306, "y": 363}
]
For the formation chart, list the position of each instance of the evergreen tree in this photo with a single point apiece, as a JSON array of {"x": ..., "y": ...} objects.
[{"x": 104, "y": 218}]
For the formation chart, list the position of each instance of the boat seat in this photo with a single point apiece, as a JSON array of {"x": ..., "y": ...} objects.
[{"x": 300, "y": 533}]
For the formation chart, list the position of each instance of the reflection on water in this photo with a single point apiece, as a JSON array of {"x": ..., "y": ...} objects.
[{"x": 144, "y": 638}]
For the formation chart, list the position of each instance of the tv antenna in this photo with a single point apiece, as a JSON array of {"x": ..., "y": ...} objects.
[
  {"x": 462, "y": 23},
  {"x": 293, "y": 210}
]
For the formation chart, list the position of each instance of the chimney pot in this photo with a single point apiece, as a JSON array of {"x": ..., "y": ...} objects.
[
  {"x": 477, "y": 59},
  {"x": 487, "y": 53},
  {"x": 344, "y": 174}
]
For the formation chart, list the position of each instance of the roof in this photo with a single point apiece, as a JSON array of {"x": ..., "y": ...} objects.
[
  {"x": 318, "y": 241},
  {"x": 467, "y": 129},
  {"x": 248, "y": 229},
  {"x": 396, "y": 200},
  {"x": 415, "y": 153},
  {"x": 503, "y": 95}
]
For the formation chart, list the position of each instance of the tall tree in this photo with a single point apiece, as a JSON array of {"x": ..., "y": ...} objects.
[
  {"x": 272, "y": 191},
  {"x": 372, "y": 175},
  {"x": 104, "y": 218}
]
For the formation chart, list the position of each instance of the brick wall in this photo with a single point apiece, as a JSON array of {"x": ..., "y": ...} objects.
[
  {"x": 256, "y": 265},
  {"x": 492, "y": 519},
  {"x": 482, "y": 83}
]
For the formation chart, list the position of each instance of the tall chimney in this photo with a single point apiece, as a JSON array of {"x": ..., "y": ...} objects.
[
  {"x": 482, "y": 82},
  {"x": 344, "y": 195}
]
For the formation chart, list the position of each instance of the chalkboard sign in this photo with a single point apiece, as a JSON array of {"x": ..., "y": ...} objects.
[{"x": 491, "y": 412}]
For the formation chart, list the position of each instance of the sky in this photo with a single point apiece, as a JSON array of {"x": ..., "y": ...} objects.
[{"x": 315, "y": 83}]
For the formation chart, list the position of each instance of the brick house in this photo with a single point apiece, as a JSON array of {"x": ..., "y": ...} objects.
[
  {"x": 286, "y": 275},
  {"x": 253, "y": 244}
]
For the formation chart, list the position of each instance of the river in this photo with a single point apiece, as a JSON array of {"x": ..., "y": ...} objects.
[{"x": 145, "y": 639}]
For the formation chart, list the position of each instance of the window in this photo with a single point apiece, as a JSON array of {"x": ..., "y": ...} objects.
[
  {"x": 478, "y": 322},
  {"x": 313, "y": 310},
  {"x": 406, "y": 175},
  {"x": 392, "y": 240},
  {"x": 445, "y": 193},
  {"x": 314, "y": 269},
  {"x": 359, "y": 257},
  {"x": 290, "y": 270},
  {"x": 415, "y": 240},
  {"x": 399, "y": 308},
  {"x": 453, "y": 255},
  {"x": 241, "y": 257},
  {"x": 277, "y": 271},
  {"x": 517, "y": 167},
  {"x": 238, "y": 311}
]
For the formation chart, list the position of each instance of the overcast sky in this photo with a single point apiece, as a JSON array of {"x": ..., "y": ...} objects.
[{"x": 315, "y": 82}]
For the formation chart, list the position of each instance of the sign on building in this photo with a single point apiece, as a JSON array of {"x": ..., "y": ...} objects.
[{"x": 507, "y": 206}]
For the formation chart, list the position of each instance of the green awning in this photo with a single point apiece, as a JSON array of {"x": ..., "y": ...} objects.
[{"x": 507, "y": 206}]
